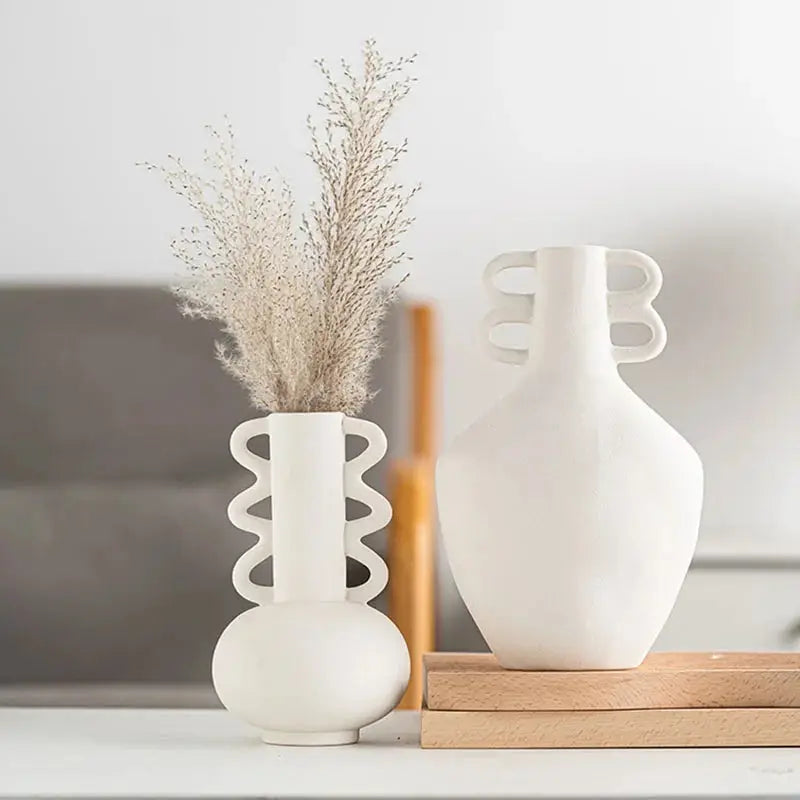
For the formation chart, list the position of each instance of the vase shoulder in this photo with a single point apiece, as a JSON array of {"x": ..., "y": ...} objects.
[{"x": 559, "y": 423}]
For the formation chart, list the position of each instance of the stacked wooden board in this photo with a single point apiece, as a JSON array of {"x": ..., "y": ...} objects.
[{"x": 671, "y": 700}]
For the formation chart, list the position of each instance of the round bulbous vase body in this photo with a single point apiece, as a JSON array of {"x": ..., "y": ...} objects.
[
  {"x": 570, "y": 512},
  {"x": 311, "y": 663},
  {"x": 310, "y": 673}
]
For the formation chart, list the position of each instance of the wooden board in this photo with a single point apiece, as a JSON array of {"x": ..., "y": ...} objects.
[
  {"x": 475, "y": 682},
  {"x": 664, "y": 727}
]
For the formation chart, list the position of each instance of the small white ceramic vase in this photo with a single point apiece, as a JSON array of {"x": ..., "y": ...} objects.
[
  {"x": 312, "y": 663},
  {"x": 570, "y": 512}
]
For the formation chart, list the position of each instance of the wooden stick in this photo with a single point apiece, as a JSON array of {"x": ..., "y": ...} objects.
[
  {"x": 423, "y": 369},
  {"x": 412, "y": 535},
  {"x": 411, "y": 559}
]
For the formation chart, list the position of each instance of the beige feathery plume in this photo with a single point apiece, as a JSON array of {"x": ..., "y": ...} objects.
[{"x": 302, "y": 313}]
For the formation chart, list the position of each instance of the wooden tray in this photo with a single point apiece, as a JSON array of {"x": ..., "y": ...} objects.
[
  {"x": 663, "y": 727},
  {"x": 475, "y": 682}
]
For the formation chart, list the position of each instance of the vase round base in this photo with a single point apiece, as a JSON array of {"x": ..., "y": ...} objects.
[
  {"x": 309, "y": 738},
  {"x": 554, "y": 663}
]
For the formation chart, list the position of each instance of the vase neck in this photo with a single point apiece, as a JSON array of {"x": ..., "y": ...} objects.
[
  {"x": 307, "y": 456},
  {"x": 570, "y": 329}
]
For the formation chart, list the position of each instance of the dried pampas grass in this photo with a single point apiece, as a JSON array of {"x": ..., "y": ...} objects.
[{"x": 302, "y": 306}]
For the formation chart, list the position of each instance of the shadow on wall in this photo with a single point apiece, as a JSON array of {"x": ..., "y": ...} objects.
[{"x": 729, "y": 378}]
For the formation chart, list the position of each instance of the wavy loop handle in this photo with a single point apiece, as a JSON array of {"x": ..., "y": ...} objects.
[
  {"x": 354, "y": 531},
  {"x": 239, "y": 511},
  {"x": 380, "y": 509},
  {"x": 508, "y": 306},
  {"x": 635, "y": 305}
]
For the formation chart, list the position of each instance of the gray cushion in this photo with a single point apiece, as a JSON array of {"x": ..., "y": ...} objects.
[
  {"x": 106, "y": 383},
  {"x": 115, "y": 582},
  {"x": 119, "y": 582},
  {"x": 115, "y": 474}
]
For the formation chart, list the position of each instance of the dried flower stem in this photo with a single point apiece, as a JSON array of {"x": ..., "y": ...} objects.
[{"x": 303, "y": 318}]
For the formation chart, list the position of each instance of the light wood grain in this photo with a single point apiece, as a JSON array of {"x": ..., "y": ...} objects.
[
  {"x": 411, "y": 565},
  {"x": 475, "y": 682},
  {"x": 671, "y": 727}
]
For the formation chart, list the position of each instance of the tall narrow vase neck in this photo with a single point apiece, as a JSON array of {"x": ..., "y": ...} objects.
[
  {"x": 570, "y": 329},
  {"x": 307, "y": 455}
]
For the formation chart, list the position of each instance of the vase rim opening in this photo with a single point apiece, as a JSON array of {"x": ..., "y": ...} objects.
[
  {"x": 315, "y": 414},
  {"x": 567, "y": 247}
]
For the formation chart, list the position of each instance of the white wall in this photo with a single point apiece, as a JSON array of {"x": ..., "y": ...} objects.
[{"x": 671, "y": 127}]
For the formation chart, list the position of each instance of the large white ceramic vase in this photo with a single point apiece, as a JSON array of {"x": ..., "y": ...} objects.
[
  {"x": 311, "y": 663},
  {"x": 570, "y": 512}
]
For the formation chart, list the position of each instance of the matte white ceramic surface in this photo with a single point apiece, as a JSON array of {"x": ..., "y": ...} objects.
[
  {"x": 570, "y": 512},
  {"x": 311, "y": 663}
]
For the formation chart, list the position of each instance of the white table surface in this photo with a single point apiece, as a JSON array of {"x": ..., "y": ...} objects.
[{"x": 149, "y": 753}]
